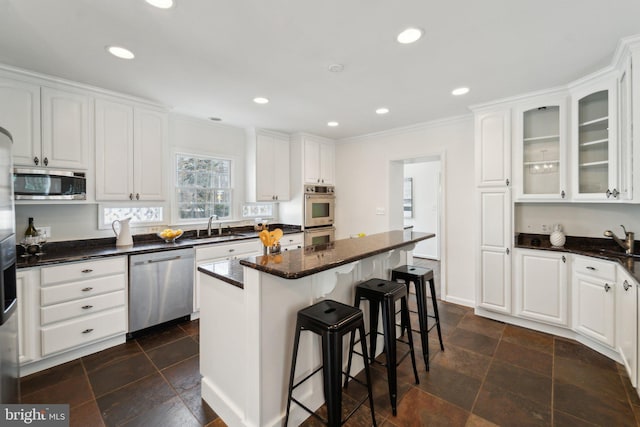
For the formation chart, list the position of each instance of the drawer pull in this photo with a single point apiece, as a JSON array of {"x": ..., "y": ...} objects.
[
  {"x": 87, "y": 331},
  {"x": 87, "y": 307},
  {"x": 88, "y": 270},
  {"x": 87, "y": 289},
  {"x": 231, "y": 250},
  {"x": 591, "y": 268}
]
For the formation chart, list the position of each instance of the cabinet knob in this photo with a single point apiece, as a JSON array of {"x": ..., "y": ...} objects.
[
  {"x": 563, "y": 194},
  {"x": 608, "y": 193},
  {"x": 137, "y": 196},
  {"x": 130, "y": 196},
  {"x": 231, "y": 250},
  {"x": 87, "y": 289},
  {"x": 318, "y": 180},
  {"x": 615, "y": 193},
  {"x": 46, "y": 161},
  {"x": 86, "y": 331},
  {"x": 606, "y": 287},
  {"x": 507, "y": 251},
  {"x": 87, "y": 270},
  {"x": 626, "y": 285},
  {"x": 506, "y": 181},
  {"x": 564, "y": 259},
  {"x": 36, "y": 160}
]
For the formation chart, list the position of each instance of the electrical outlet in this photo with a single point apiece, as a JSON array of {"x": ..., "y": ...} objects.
[
  {"x": 379, "y": 211},
  {"x": 546, "y": 228}
]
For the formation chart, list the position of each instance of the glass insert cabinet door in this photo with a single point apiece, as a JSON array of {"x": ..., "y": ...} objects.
[
  {"x": 543, "y": 158},
  {"x": 594, "y": 143}
]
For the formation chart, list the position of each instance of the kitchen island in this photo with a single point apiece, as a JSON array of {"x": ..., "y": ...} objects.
[{"x": 248, "y": 314}]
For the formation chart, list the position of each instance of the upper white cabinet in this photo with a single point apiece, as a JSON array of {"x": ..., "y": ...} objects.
[
  {"x": 594, "y": 142},
  {"x": 319, "y": 160},
  {"x": 66, "y": 129},
  {"x": 540, "y": 150},
  {"x": 540, "y": 283},
  {"x": 268, "y": 161},
  {"x": 20, "y": 115},
  {"x": 493, "y": 148},
  {"x": 130, "y": 144},
  {"x": 50, "y": 127}
]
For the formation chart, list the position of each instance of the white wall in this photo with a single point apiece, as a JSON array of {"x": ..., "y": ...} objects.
[
  {"x": 363, "y": 173},
  {"x": 186, "y": 134},
  {"x": 425, "y": 178},
  {"x": 577, "y": 219}
]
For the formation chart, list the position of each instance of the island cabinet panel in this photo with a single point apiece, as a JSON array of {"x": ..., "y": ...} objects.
[
  {"x": 541, "y": 286},
  {"x": 28, "y": 290}
]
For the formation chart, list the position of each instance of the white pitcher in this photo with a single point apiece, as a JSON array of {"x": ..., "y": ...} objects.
[{"x": 123, "y": 237}]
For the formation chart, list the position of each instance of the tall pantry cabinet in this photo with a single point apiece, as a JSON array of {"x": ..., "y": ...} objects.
[{"x": 494, "y": 207}]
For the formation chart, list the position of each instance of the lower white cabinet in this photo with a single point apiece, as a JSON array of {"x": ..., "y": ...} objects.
[
  {"x": 594, "y": 299},
  {"x": 219, "y": 252},
  {"x": 627, "y": 323},
  {"x": 292, "y": 241},
  {"x": 540, "y": 281}
]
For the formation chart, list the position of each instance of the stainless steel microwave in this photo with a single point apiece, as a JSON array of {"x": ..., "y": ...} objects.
[{"x": 45, "y": 184}]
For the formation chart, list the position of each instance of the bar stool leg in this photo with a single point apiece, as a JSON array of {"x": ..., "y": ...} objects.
[
  {"x": 432, "y": 288},
  {"x": 367, "y": 373},
  {"x": 389, "y": 327},
  {"x": 296, "y": 341},
  {"x": 374, "y": 310},
  {"x": 405, "y": 315},
  {"x": 332, "y": 376},
  {"x": 421, "y": 300}
]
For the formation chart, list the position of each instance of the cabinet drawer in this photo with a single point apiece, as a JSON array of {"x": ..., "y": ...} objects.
[
  {"x": 227, "y": 250},
  {"x": 83, "y": 270},
  {"x": 81, "y": 307},
  {"x": 292, "y": 240},
  {"x": 595, "y": 268},
  {"x": 82, "y": 289},
  {"x": 83, "y": 330}
]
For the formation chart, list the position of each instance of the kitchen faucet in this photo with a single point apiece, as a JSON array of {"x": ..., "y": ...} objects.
[
  {"x": 627, "y": 245},
  {"x": 209, "y": 225}
]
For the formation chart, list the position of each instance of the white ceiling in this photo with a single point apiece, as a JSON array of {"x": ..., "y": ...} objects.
[{"x": 212, "y": 57}]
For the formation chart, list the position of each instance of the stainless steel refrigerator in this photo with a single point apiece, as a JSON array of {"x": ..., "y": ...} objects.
[{"x": 9, "y": 367}]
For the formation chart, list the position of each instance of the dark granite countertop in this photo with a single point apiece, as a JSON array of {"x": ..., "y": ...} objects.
[
  {"x": 79, "y": 250},
  {"x": 605, "y": 249},
  {"x": 309, "y": 260}
]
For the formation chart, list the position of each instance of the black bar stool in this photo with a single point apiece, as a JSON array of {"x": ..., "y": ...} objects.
[
  {"x": 419, "y": 276},
  {"x": 384, "y": 293},
  {"x": 331, "y": 320}
]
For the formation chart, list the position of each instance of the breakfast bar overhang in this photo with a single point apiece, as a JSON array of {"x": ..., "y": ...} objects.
[{"x": 248, "y": 314}]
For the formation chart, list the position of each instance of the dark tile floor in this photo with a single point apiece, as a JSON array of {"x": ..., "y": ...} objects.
[{"x": 489, "y": 374}]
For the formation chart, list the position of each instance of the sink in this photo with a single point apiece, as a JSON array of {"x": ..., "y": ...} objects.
[{"x": 223, "y": 236}]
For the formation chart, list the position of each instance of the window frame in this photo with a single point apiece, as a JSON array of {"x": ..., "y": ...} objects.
[{"x": 175, "y": 210}]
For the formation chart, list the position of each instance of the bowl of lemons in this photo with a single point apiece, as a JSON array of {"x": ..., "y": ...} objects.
[{"x": 170, "y": 235}]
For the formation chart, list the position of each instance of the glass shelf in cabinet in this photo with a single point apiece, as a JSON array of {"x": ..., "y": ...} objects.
[
  {"x": 593, "y": 164},
  {"x": 596, "y": 123},
  {"x": 597, "y": 141},
  {"x": 542, "y": 138}
]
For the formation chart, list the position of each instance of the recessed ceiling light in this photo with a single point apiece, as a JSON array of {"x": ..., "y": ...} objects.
[
  {"x": 162, "y": 4},
  {"x": 260, "y": 100},
  {"x": 410, "y": 35},
  {"x": 336, "y": 68},
  {"x": 460, "y": 91},
  {"x": 382, "y": 111},
  {"x": 120, "y": 52},
  {"x": 333, "y": 124}
]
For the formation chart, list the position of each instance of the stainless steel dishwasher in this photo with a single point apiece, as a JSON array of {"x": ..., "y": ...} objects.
[{"x": 160, "y": 287}]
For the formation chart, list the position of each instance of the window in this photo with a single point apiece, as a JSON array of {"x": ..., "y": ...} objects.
[{"x": 203, "y": 187}]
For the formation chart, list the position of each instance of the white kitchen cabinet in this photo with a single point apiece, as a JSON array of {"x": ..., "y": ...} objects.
[
  {"x": 540, "y": 285},
  {"x": 292, "y": 241},
  {"x": 493, "y": 148},
  {"x": 208, "y": 254},
  {"x": 540, "y": 150},
  {"x": 625, "y": 131},
  {"x": 493, "y": 291},
  {"x": 268, "y": 166},
  {"x": 626, "y": 323},
  {"x": 594, "y": 288},
  {"x": 66, "y": 129},
  {"x": 28, "y": 290},
  {"x": 20, "y": 115},
  {"x": 319, "y": 160},
  {"x": 81, "y": 303},
  {"x": 130, "y": 145},
  {"x": 594, "y": 142}
]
